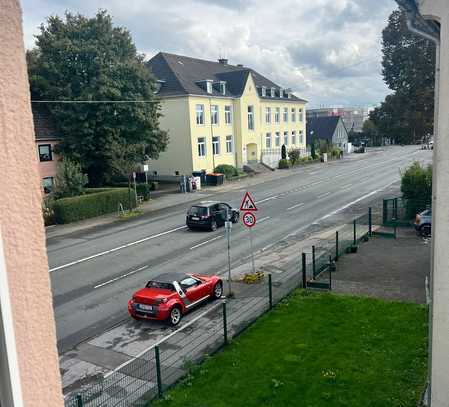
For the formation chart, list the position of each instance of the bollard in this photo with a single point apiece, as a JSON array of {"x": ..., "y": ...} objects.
[
  {"x": 313, "y": 261},
  {"x": 336, "y": 245},
  {"x": 158, "y": 371},
  {"x": 225, "y": 324},
  {"x": 304, "y": 271},
  {"x": 355, "y": 232},
  {"x": 270, "y": 291},
  {"x": 370, "y": 222},
  {"x": 79, "y": 400}
]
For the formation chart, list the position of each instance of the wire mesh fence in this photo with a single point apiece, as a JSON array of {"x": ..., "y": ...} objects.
[
  {"x": 401, "y": 212},
  {"x": 148, "y": 375}
]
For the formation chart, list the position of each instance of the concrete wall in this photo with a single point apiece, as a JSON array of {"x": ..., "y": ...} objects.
[{"x": 21, "y": 223}]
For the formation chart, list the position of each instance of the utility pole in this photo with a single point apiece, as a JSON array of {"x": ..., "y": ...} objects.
[{"x": 228, "y": 225}]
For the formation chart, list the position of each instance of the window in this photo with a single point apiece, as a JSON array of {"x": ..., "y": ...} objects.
[
  {"x": 273, "y": 92},
  {"x": 223, "y": 88},
  {"x": 214, "y": 114},
  {"x": 201, "y": 147},
  {"x": 228, "y": 115},
  {"x": 47, "y": 184},
  {"x": 293, "y": 114},
  {"x": 251, "y": 117},
  {"x": 264, "y": 91},
  {"x": 285, "y": 114},
  {"x": 277, "y": 115},
  {"x": 268, "y": 140},
  {"x": 229, "y": 144},
  {"x": 286, "y": 138},
  {"x": 293, "y": 137},
  {"x": 281, "y": 93},
  {"x": 301, "y": 135},
  {"x": 268, "y": 115},
  {"x": 199, "y": 114},
  {"x": 215, "y": 145},
  {"x": 300, "y": 114},
  {"x": 45, "y": 152},
  {"x": 188, "y": 282},
  {"x": 209, "y": 86},
  {"x": 277, "y": 139}
]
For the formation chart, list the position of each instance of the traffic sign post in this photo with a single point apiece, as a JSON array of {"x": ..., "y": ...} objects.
[
  {"x": 228, "y": 226},
  {"x": 248, "y": 205},
  {"x": 249, "y": 219}
]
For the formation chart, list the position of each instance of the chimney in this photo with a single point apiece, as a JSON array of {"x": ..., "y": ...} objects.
[{"x": 223, "y": 61}]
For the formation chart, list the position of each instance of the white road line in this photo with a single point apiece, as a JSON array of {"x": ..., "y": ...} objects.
[
  {"x": 203, "y": 243},
  {"x": 263, "y": 219},
  {"x": 295, "y": 206},
  {"x": 116, "y": 249},
  {"x": 120, "y": 277},
  {"x": 323, "y": 195},
  {"x": 267, "y": 199},
  {"x": 346, "y": 186}
]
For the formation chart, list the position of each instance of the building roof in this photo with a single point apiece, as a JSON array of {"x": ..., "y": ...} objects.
[
  {"x": 181, "y": 75},
  {"x": 44, "y": 128},
  {"x": 322, "y": 127}
]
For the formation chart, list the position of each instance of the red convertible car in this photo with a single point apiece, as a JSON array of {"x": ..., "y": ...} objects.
[{"x": 169, "y": 296}]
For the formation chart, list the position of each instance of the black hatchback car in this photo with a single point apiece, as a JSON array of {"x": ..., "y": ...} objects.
[{"x": 210, "y": 215}]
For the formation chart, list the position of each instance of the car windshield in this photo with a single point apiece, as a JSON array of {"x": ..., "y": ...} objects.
[
  {"x": 158, "y": 284},
  {"x": 198, "y": 211}
]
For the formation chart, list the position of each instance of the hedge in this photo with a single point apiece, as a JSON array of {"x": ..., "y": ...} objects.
[
  {"x": 228, "y": 170},
  {"x": 68, "y": 210}
]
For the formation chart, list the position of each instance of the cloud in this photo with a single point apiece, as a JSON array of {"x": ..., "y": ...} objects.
[{"x": 327, "y": 51}]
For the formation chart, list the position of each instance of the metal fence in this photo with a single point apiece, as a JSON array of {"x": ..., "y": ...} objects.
[
  {"x": 401, "y": 212},
  {"x": 150, "y": 373}
]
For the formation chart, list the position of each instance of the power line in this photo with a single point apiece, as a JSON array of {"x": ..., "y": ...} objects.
[{"x": 94, "y": 101}]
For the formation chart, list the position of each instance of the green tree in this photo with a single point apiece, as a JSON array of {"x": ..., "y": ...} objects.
[
  {"x": 312, "y": 150},
  {"x": 69, "y": 180},
  {"x": 88, "y": 59}
]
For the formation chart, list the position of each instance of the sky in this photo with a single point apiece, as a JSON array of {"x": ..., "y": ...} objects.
[{"x": 327, "y": 51}]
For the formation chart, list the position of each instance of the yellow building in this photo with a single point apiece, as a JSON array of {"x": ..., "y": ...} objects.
[{"x": 218, "y": 113}]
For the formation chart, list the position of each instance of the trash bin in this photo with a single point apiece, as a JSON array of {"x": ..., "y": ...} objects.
[
  {"x": 215, "y": 179},
  {"x": 197, "y": 183}
]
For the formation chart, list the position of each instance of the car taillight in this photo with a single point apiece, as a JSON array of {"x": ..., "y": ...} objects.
[{"x": 418, "y": 219}]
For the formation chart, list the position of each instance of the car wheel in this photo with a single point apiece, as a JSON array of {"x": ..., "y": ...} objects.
[
  {"x": 218, "y": 290},
  {"x": 425, "y": 231},
  {"x": 213, "y": 226},
  {"x": 175, "y": 316}
]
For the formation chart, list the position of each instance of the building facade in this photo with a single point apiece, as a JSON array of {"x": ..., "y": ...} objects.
[
  {"x": 217, "y": 113},
  {"x": 330, "y": 128},
  {"x": 353, "y": 118}
]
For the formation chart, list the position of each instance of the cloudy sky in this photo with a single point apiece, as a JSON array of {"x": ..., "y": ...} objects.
[{"x": 327, "y": 51}]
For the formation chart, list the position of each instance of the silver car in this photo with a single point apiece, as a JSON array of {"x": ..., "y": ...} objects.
[{"x": 423, "y": 223}]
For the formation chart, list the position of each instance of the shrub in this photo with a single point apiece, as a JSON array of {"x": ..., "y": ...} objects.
[
  {"x": 228, "y": 170},
  {"x": 416, "y": 188},
  {"x": 312, "y": 151},
  {"x": 283, "y": 164},
  {"x": 70, "y": 180},
  {"x": 294, "y": 156},
  {"x": 76, "y": 208},
  {"x": 144, "y": 191},
  {"x": 48, "y": 210}
]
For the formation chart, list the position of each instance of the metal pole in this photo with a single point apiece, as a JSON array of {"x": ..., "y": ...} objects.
[
  {"x": 225, "y": 324},
  {"x": 313, "y": 261},
  {"x": 384, "y": 211},
  {"x": 252, "y": 251},
  {"x": 330, "y": 272},
  {"x": 336, "y": 245},
  {"x": 270, "y": 291},
  {"x": 228, "y": 237},
  {"x": 158, "y": 371},
  {"x": 370, "y": 221},
  {"x": 355, "y": 232},
  {"x": 304, "y": 271}
]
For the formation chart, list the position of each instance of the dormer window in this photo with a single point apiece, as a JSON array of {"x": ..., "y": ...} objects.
[
  {"x": 273, "y": 92},
  {"x": 158, "y": 85},
  {"x": 288, "y": 92},
  {"x": 223, "y": 87},
  {"x": 264, "y": 91},
  {"x": 281, "y": 93},
  {"x": 209, "y": 86}
]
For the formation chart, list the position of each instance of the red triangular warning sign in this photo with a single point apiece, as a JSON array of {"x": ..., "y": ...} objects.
[{"x": 248, "y": 204}]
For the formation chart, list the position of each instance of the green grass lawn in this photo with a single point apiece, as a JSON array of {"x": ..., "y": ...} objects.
[{"x": 316, "y": 350}]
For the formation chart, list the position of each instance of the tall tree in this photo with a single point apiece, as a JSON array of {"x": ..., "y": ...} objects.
[
  {"x": 409, "y": 70},
  {"x": 81, "y": 59}
]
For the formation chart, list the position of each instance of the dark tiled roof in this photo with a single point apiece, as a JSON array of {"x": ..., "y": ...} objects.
[
  {"x": 184, "y": 75},
  {"x": 44, "y": 128},
  {"x": 321, "y": 127}
]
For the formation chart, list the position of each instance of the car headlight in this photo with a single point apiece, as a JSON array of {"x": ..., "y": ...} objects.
[{"x": 161, "y": 301}]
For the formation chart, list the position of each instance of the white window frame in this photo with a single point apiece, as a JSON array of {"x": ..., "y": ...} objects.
[
  {"x": 281, "y": 93},
  {"x": 214, "y": 115},
  {"x": 277, "y": 115},
  {"x": 285, "y": 115},
  {"x": 201, "y": 147},
  {"x": 223, "y": 88},
  {"x": 229, "y": 144},
  {"x": 264, "y": 91},
  {"x": 228, "y": 114},
  {"x": 273, "y": 92},
  {"x": 199, "y": 112},
  {"x": 301, "y": 135},
  {"x": 216, "y": 145},
  {"x": 293, "y": 113},
  {"x": 300, "y": 114},
  {"x": 10, "y": 384},
  {"x": 286, "y": 138},
  {"x": 268, "y": 115},
  {"x": 293, "y": 138},
  {"x": 251, "y": 120},
  {"x": 277, "y": 139},
  {"x": 268, "y": 140},
  {"x": 209, "y": 87}
]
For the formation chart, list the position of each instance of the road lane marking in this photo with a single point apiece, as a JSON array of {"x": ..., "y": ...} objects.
[
  {"x": 267, "y": 199},
  {"x": 346, "y": 186},
  {"x": 323, "y": 195},
  {"x": 94, "y": 256},
  {"x": 120, "y": 277},
  {"x": 263, "y": 219},
  {"x": 295, "y": 206},
  {"x": 203, "y": 243}
]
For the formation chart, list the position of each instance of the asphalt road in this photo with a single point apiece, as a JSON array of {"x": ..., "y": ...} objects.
[{"x": 94, "y": 273}]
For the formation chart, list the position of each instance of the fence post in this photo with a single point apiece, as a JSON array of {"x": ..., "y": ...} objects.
[
  {"x": 336, "y": 245},
  {"x": 384, "y": 211},
  {"x": 225, "y": 324},
  {"x": 270, "y": 291},
  {"x": 395, "y": 208},
  {"x": 79, "y": 400},
  {"x": 370, "y": 221},
  {"x": 355, "y": 232},
  {"x": 330, "y": 272},
  {"x": 158, "y": 371},
  {"x": 304, "y": 271},
  {"x": 313, "y": 261}
]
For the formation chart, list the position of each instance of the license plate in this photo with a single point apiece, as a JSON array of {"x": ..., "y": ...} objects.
[
  {"x": 146, "y": 307},
  {"x": 195, "y": 218}
]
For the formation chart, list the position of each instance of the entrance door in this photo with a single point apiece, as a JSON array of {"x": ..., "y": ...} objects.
[{"x": 251, "y": 153}]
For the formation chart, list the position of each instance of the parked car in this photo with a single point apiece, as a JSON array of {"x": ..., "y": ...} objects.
[
  {"x": 423, "y": 223},
  {"x": 171, "y": 295},
  {"x": 210, "y": 215}
]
